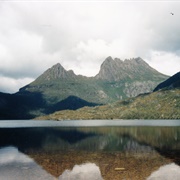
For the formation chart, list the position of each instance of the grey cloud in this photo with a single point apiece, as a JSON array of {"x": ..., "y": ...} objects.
[
  {"x": 35, "y": 35},
  {"x": 165, "y": 27}
]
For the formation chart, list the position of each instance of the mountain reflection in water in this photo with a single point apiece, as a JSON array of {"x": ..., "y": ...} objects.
[{"x": 110, "y": 152}]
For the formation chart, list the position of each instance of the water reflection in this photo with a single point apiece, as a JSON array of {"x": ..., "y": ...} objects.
[
  {"x": 16, "y": 165},
  {"x": 12, "y": 155},
  {"x": 88, "y": 171},
  {"x": 63, "y": 152},
  {"x": 166, "y": 172},
  {"x": 92, "y": 139}
]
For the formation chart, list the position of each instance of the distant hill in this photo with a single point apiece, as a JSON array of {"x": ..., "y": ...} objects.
[{"x": 59, "y": 89}]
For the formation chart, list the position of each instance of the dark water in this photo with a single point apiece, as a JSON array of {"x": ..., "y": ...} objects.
[{"x": 89, "y": 150}]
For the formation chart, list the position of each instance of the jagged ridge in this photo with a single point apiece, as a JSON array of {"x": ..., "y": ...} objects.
[{"x": 117, "y": 70}]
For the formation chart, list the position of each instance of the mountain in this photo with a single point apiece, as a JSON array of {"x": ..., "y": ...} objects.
[
  {"x": 172, "y": 82},
  {"x": 116, "y": 80},
  {"x": 59, "y": 89}
]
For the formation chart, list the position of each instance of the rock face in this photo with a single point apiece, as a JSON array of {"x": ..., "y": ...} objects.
[
  {"x": 116, "y": 80},
  {"x": 135, "y": 88},
  {"x": 172, "y": 82},
  {"x": 134, "y": 76}
]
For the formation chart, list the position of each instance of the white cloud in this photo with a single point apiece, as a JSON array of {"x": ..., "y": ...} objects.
[
  {"x": 92, "y": 53},
  {"x": 166, "y": 62}
]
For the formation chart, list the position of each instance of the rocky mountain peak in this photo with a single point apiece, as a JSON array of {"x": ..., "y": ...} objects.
[
  {"x": 139, "y": 61},
  {"x": 116, "y": 70},
  {"x": 56, "y": 72},
  {"x": 108, "y": 69},
  {"x": 58, "y": 65},
  {"x": 57, "y": 69},
  {"x": 108, "y": 60}
]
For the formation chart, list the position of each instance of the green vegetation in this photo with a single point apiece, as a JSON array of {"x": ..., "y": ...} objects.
[{"x": 164, "y": 104}]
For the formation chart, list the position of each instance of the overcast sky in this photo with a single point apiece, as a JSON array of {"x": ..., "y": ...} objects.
[{"x": 35, "y": 35}]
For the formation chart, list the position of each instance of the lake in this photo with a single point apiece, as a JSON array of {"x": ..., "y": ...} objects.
[{"x": 90, "y": 149}]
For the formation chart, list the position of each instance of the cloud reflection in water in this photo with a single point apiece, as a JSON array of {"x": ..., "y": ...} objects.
[
  {"x": 16, "y": 165},
  {"x": 167, "y": 172},
  {"x": 86, "y": 171}
]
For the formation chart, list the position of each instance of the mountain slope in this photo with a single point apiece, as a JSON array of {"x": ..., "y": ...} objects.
[
  {"x": 156, "y": 105},
  {"x": 163, "y": 103},
  {"x": 20, "y": 106},
  {"x": 172, "y": 82}
]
